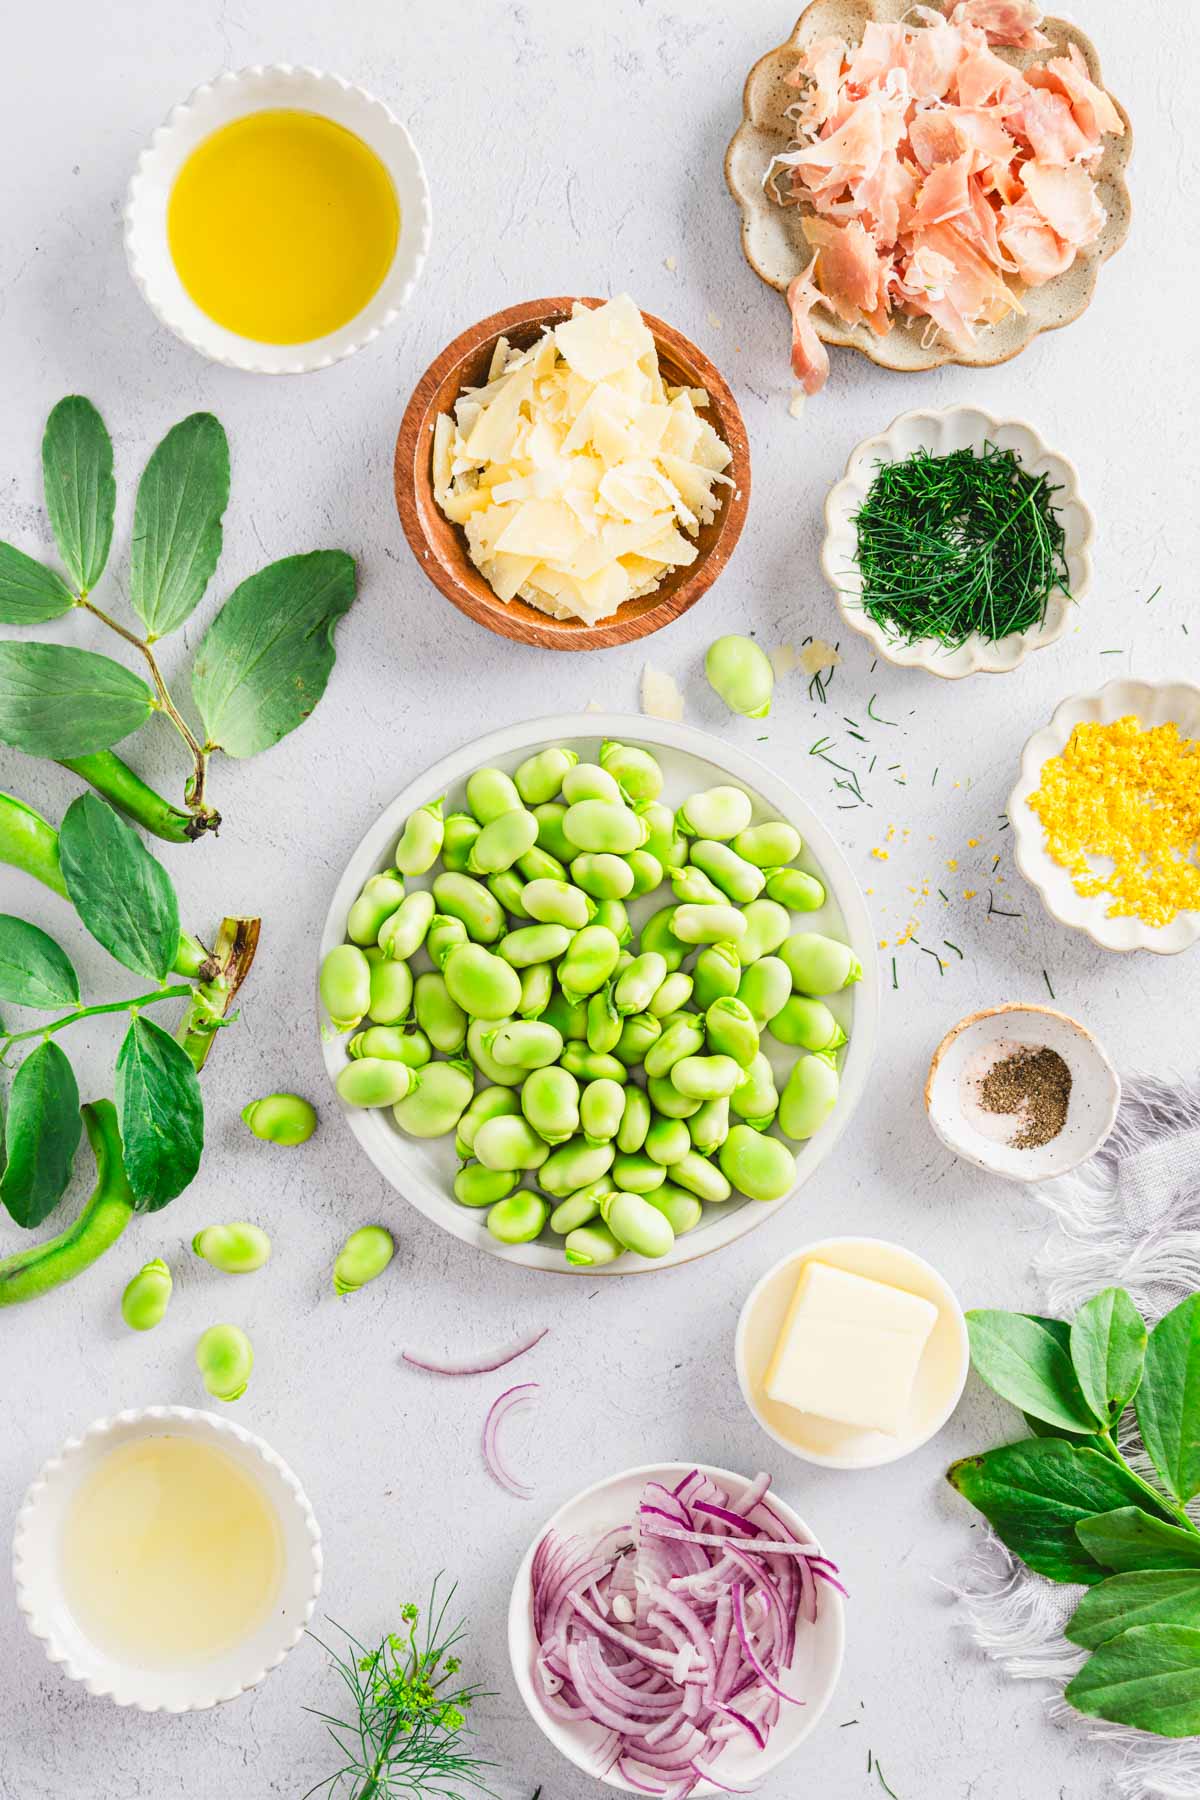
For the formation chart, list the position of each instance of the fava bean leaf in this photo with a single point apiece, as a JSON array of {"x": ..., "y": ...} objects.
[
  {"x": 1108, "y": 1349},
  {"x": 161, "y": 1114},
  {"x": 1035, "y": 1493},
  {"x": 1040, "y": 1429},
  {"x": 30, "y": 592},
  {"x": 1147, "y": 1678},
  {"x": 81, "y": 495},
  {"x": 266, "y": 657},
  {"x": 1028, "y": 1360},
  {"x": 1128, "y": 1539},
  {"x": 177, "y": 523},
  {"x": 121, "y": 892},
  {"x": 58, "y": 701},
  {"x": 33, "y": 970},
  {"x": 1168, "y": 1401},
  {"x": 41, "y": 1135},
  {"x": 1166, "y": 1597}
]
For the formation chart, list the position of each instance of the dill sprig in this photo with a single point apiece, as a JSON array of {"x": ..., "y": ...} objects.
[
  {"x": 949, "y": 545},
  {"x": 409, "y": 1715}
]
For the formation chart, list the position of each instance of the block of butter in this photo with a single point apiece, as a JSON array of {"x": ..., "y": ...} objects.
[{"x": 849, "y": 1349}]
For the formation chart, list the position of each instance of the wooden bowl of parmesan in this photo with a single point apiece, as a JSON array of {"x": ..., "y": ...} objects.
[{"x": 573, "y": 474}]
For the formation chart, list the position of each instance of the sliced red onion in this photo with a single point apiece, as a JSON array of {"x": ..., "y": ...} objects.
[
  {"x": 751, "y": 1655},
  {"x": 710, "y": 1539},
  {"x": 497, "y": 1413},
  {"x": 478, "y": 1365}
]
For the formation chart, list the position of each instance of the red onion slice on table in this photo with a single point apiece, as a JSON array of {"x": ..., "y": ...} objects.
[
  {"x": 497, "y": 1413},
  {"x": 479, "y": 1365}
]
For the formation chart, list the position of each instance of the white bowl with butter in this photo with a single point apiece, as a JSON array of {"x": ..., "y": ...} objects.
[
  {"x": 122, "y": 1577},
  {"x": 864, "y": 1327}
]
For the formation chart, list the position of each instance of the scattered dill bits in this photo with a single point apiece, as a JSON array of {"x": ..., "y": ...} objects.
[
  {"x": 933, "y": 783},
  {"x": 895, "y": 983},
  {"x": 958, "y": 952},
  {"x": 1156, "y": 593},
  {"x": 1049, "y": 989},
  {"x": 937, "y": 959},
  {"x": 945, "y": 895},
  {"x": 882, "y": 1782},
  {"x": 950, "y": 545},
  {"x": 872, "y": 714},
  {"x": 998, "y": 912}
]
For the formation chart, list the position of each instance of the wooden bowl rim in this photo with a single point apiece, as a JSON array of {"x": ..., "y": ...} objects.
[{"x": 526, "y": 625}]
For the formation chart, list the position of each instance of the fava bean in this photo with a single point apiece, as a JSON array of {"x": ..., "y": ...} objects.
[
  {"x": 144, "y": 1302},
  {"x": 579, "y": 1208},
  {"x": 767, "y": 925},
  {"x": 638, "y": 1033},
  {"x": 531, "y": 944},
  {"x": 501, "y": 842},
  {"x": 236, "y": 1249},
  {"x": 588, "y": 781},
  {"x": 403, "y": 932},
  {"x": 570, "y": 1016},
  {"x": 550, "y": 1102},
  {"x": 635, "y": 1121},
  {"x": 667, "y": 1140},
  {"x": 540, "y": 777},
  {"x": 281, "y": 1119},
  {"x": 666, "y": 843},
  {"x": 599, "y": 825},
  {"x": 477, "y": 1186},
  {"x": 637, "y": 1225},
  {"x": 709, "y": 1127},
  {"x": 225, "y": 1358},
  {"x": 525, "y": 1044},
  {"x": 672, "y": 994},
  {"x": 603, "y": 876},
  {"x": 611, "y": 914},
  {"x": 557, "y": 903},
  {"x": 590, "y": 959},
  {"x": 716, "y": 973},
  {"x": 708, "y": 924},
  {"x": 444, "y": 935},
  {"x": 460, "y": 833},
  {"x": 700, "y": 1177},
  {"x": 467, "y": 899},
  {"x": 365, "y": 1254},
  {"x": 375, "y": 1081},
  {"x": 809, "y": 1096},
  {"x": 637, "y": 985},
  {"x": 755, "y": 1098},
  {"x": 490, "y": 792},
  {"x": 693, "y": 888},
  {"x": 769, "y": 845},
  {"x": 510, "y": 1143},
  {"x": 537, "y": 986},
  {"x": 820, "y": 965},
  {"x": 345, "y": 985},
  {"x": 393, "y": 1043},
  {"x": 806, "y": 1024},
  {"x": 658, "y": 935},
  {"x": 499, "y": 1074},
  {"x": 740, "y": 672},
  {"x": 438, "y": 1014},
  {"x": 667, "y": 1100},
  {"x": 757, "y": 1165},
  {"x": 421, "y": 840},
  {"x": 765, "y": 988},
  {"x": 646, "y": 870},
  {"x": 635, "y": 769},
  {"x": 574, "y": 1165},
  {"x": 682, "y": 1036},
  {"x": 591, "y": 1246},
  {"x": 551, "y": 836},
  {"x": 391, "y": 989},
  {"x": 484, "y": 985},
  {"x": 719, "y": 812},
  {"x": 437, "y": 1103},
  {"x": 737, "y": 879},
  {"x": 730, "y": 1030},
  {"x": 601, "y": 1107},
  {"x": 706, "y": 1077},
  {"x": 508, "y": 887},
  {"x": 538, "y": 865},
  {"x": 488, "y": 1103},
  {"x": 682, "y": 1211},
  {"x": 797, "y": 889},
  {"x": 380, "y": 897},
  {"x": 603, "y": 1021}
]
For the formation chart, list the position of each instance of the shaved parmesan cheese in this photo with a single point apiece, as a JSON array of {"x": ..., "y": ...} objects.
[
  {"x": 783, "y": 660},
  {"x": 575, "y": 472},
  {"x": 661, "y": 698},
  {"x": 819, "y": 655}
]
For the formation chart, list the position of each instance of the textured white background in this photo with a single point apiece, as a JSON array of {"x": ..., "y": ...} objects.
[{"x": 569, "y": 148}]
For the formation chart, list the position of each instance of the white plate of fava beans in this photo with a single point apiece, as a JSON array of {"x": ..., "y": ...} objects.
[{"x": 422, "y": 1169}]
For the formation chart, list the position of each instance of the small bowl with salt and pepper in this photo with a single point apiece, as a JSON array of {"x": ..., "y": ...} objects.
[{"x": 1022, "y": 1091}]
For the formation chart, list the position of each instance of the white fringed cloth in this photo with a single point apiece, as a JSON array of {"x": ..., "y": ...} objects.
[{"x": 1128, "y": 1218}]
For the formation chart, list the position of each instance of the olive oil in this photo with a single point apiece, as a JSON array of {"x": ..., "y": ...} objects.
[
  {"x": 171, "y": 1553},
  {"x": 282, "y": 226}
]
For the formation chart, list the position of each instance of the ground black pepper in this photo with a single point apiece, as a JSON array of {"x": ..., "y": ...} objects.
[{"x": 1032, "y": 1081}]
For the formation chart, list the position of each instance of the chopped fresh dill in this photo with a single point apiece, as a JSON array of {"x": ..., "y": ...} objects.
[
  {"x": 893, "y": 766},
  {"x": 937, "y": 959},
  {"x": 1049, "y": 989},
  {"x": 871, "y": 764},
  {"x": 883, "y": 1784},
  {"x": 998, "y": 911},
  {"x": 945, "y": 895},
  {"x": 872, "y": 714},
  {"x": 858, "y": 735},
  {"x": 1112, "y": 653},
  {"x": 853, "y": 723},
  {"x": 895, "y": 983},
  {"x": 953, "y": 947},
  {"x": 1003, "y": 818},
  {"x": 1156, "y": 593},
  {"x": 846, "y": 1722},
  {"x": 933, "y": 783}
]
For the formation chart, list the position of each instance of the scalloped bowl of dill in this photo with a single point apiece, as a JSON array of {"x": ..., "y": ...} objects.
[{"x": 957, "y": 542}]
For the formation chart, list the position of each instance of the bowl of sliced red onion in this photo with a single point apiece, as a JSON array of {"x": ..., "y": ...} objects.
[{"x": 677, "y": 1630}]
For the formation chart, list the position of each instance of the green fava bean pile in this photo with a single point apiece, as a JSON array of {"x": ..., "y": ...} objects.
[{"x": 577, "y": 982}]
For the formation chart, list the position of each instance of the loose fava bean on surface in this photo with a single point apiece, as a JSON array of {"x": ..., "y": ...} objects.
[
  {"x": 672, "y": 995},
  {"x": 765, "y": 988},
  {"x": 756, "y": 1099},
  {"x": 345, "y": 986},
  {"x": 500, "y": 844},
  {"x": 730, "y": 1030},
  {"x": 601, "y": 1108},
  {"x": 281, "y": 1119},
  {"x": 467, "y": 899},
  {"x": 437, "y": 1103},
  {"x": 444, "y": 935},
  {"x": 709, "y": 1127},
  {"x": 557, "y": 903},
  {"x": 541, "y": 776},
  {"x": 769, "y": 845},
  {"x": 421, "y": 840},
  {"x": 767, "y": 926},
  {"x": 365, "y": 1254},
  {"x": 589, "y": 781},
  {"x": 715, "y": 973},
  {"x": 225, "y": 1358},
  {"x": 391, "y": 988},
  {"x": 820, "y": 965},
  {"x": 403, "y": 932},
  {"x": 375, "y": 1081},
  {"x": 740, "y": 672},
  {"x": 380, "y": 897},
  {"x": 666, "y": 843},
  {"x": 144, "y": 1302},
  {"x": 719, "y": 812},
  {"x": 706, "y": 1077},
  {"x": 529, "y": 944},
  {"x": 579, "y": 1208},
  {"x": 601, "y": 875},
  {"x": 637, "y": 985},
  {"x": 809, "y": 1096},
  {"x": 667, "y": 1140},
  {"x": 440, "y": 1016},
  {"x": 590, "y": 959},
  {"x": 635, "y": 1121},
  {"x": 484, "y": 985},
  {"x": 806, "y": 1024},
  {"x": 491, "y": 792},
  {"x": 477, "y": 1186},
  {"x": 537, "y": 988},
  {"x": 738, "y": 880},
  {"x": 391, "y": 1041},
  {"x": 708, "y": 924},
  {"x": 797, "y": 889},
  {"x": 460, "y": 833},
  {"x": 550, "y": 1102},
  {"x": 692, "y": 887},
  {"x": 236, "y": 1249},
  {"x": 757, "y": 1165},
  {"x": 488, "y": 1103},
  {"x": 646, "y": 870},
  {"x": 519, "y": 1219},
  {"x": 637, "y": 1225},
  {"x": 682, "y": 1211},
  {"x": 635, "y": 769},
  {"x": 576, "y": 1164},
  {"x": 525, "y": 1044},
  {"x": 604, "y": 1024},
  {"x": 591, "y": 1246},
  {"x": 510, "y": 1143},
  {"x": 667, "y": 1100},
  {"x": 599, "y": 825},
  {"x": 637, "y": 1174}
]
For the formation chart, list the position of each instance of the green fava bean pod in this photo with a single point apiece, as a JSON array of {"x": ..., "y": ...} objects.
[
  {"x": 460, "y": 833},
  {"x": 588, "y": 781},
  {"x": 391, "y": 989},
  {"x": 599, "y": 825},
  {"x": 437, "y": 1103},
  {"x": 807, "y": 1024},
  {"x": 809, "y": 1096},
  {"x": 282, "y": 1118},
  {"x": 638, "y": 1033},
  {"x": 510, "y": 1143},
  {"x": 603, "y": 876},
  {"x": 767, "y": 925},
  {"x": 667, "y": 1140},
  {"x": 738, "y": 880},
  {"x": 637, "y": 985},
  {"x": 719, "y": 812},
  {"x": 488, "y": 1103},
  {"x": 603, "y": 1021},
  {"x": 499, "y": 844},
  {"x": 755, "y": 1098},
  {"x": 636, "y": 1224},
  {"x": 538, "y": 865},
  {"x": 601, "y": 1108},
  {"x": 380, "y": 897},
  {"x": 590, "y": 959},
  {"x": 716, "y": 973},
  {"x": 345, "y": 986},
  {"x": 700, "y": 1177},
  {"x": 557, "y": 903},
  {"x": 444, "y": 935},
  {"x": 508, "y": 887},
  {"x": 541, "y": 776},
  {"x": 144, "y": 1302},
  {"x": 636, "y": 770},
  {"x": 225, "y": 1359},
  {"x": 796, "y": 889},
  {"x": 375, "y": 1081},
  {"x": 537, "y": 988},
  {"x": 591, "y": 1246},
  {"x": 525, "y": 1044},
  {"x": 237, "y": 1249},
  {"x": 757, "y": 1165},
  {"x": 551, "y": 836},
  {"x": 709, "y": 1127},
  {"x": 531, "y": 944},
  {"x": 477, "y": 1186},
  {"x": 497, "y": 1073},
  {"x": 467, "y": 899},
  {"x": 576, "y": 1164},
  {"x": 490, "y": 793},
  {"x": 739, "y": 671},
  {"x": 672, "y": 994},
  {"x": 820, "y": 965},
  {"x": 402, "y": 934},
  {"x": 519, "y": 1219},
  {"x": 666, "y": 843},
  {"x": 706, "y": 1077},
  {"x": 730, "y": 1030},
  {"x": 693, "y": 888},
  {"x": 635, "y": 1123},
  {"x": 708, "y": 924},
  {"x": 682, "y": 1211},
  {"x": 638, "y": 1173},
  {"x": 550, "y": 1102},
  {"x": 394, "y": 1044},
  {"x": 682, "y": 1037},
  {"x": 438, "y": 1014},
  {"x": 365, "y": 1254},
  {"x": 646, "y": 870},
  {"x": 765, "y": 988},
  {"x": 421, "y": 840},
  {"x": 484, "y": 985},
  {"x": 769, "y": 845},
  {"x": 667, "y": 1100},
  {"x": 579, "y": 1208}
]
